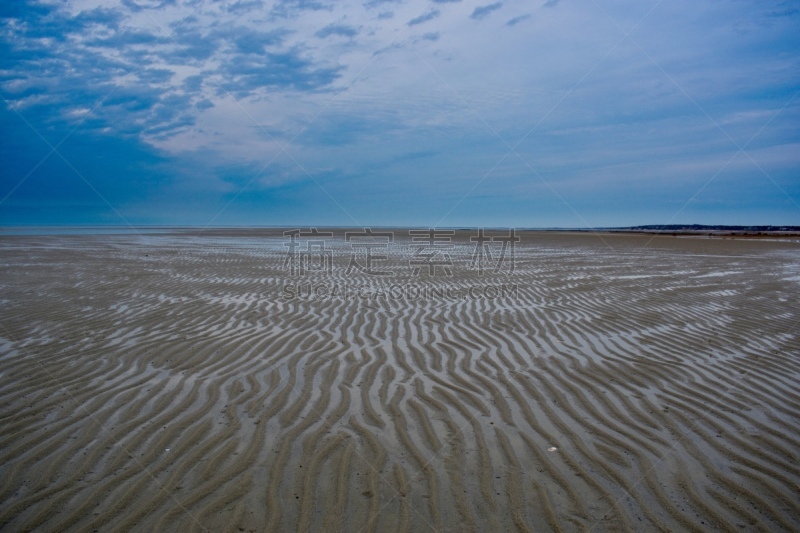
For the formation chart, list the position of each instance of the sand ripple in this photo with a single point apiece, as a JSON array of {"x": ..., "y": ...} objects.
[{"x": 164, "y": 383}]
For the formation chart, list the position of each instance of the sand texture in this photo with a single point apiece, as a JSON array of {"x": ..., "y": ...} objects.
[{"x": 166, "y": 383}]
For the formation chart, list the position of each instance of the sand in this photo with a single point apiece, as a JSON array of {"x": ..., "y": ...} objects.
[{"x": 167, "y": 383}]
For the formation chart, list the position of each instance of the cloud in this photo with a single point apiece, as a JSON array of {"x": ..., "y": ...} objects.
[
  {"x": 155, "y": 75},
  {"x": 252, "y": 41},
  {"x": 189, "y": 44},
  {"x": 340, "y": 129},
  {"x": 213, "y": 91},
  {"x": 337, "y": 29},
  {"x": 137, "y": 77},
  {"x": 482, "y": 11},
  {"x": 204, "y": 104},
  {"x": 141, "y": 5},
  {"x": 244, "y": 6},
  {"x": 516, "y": 20},
  {"x": 550, "y": 3},
  {"x": 424, "y": 18},
  {"x": 378, "y": 3},
  {"x": 245, "y": 75},
  {"x": 294, "y": 8},
  {"x": 124, "y": 39}
]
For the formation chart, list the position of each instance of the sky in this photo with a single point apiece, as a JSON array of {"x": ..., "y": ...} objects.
[{"x": 434, "y": 113}]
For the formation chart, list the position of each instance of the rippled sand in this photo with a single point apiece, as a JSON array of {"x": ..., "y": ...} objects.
[{"x": 167, "y": 383}]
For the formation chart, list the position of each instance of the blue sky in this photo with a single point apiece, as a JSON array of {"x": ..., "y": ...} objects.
[{"x": 391, "y": 112}]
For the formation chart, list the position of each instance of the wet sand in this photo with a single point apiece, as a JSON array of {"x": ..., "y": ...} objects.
[{"x": 627, "y": 382}]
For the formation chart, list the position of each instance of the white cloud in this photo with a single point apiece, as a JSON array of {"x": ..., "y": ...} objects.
[{"x": 235, "y": 81}]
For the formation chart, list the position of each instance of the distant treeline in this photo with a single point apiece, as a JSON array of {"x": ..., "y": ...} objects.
[{"x": 701, "y": 227}]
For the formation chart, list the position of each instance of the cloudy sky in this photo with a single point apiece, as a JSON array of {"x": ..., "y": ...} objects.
[{"x": 570, "y": 113}]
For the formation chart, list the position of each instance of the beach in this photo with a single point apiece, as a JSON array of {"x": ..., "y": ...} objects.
[{"x": 228, "y": 380}]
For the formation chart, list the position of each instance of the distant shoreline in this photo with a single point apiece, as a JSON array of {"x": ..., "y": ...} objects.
[
  {"x": 711, "y": 231},
  {"x": 675, "y": 230}
]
